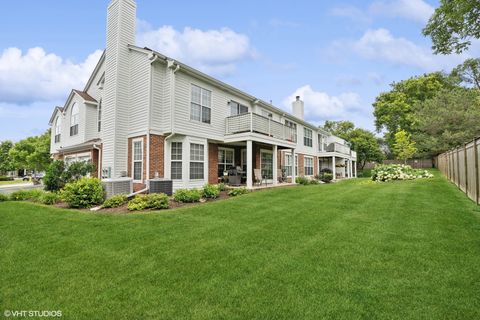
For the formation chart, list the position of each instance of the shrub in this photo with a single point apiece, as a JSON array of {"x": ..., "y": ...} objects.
[
  {"x": 391, "y": 172},
  {"x": 150, "y": 201},
  {"x": 77, "y": 170},
  {"x": 49, "y": 198},
  {"x": 3, "y": 197},
  {"x": 237, "y": 192},
  {"x": 221, "y": 186},
  {"x": 211, "y": 191},
  {"x": 187, "y": 195},
  {"x": 5, "y": 178},
  {"x": 26, "y": 195},
  {"x": 83, "y": 193},
  {"x": 302, "y": 180},
  {"x": 53, "y": 176},
  {"x": 117, "y": 200},
  {"x": 314, "y": 181},
  {"x": 327, "y": 177}
]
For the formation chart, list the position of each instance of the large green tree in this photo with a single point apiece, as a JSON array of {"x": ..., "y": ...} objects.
[
  {"x": 394, "y": 110},
  {"x": 32, "y": 153},
  {"x": 404, "y": 148},
  {"x": 6, "y": 163},
  {"x": 453, "y": 25},
  {"x": 449, "y": 119},
  {"x": 339, "y": 128},
  {"x": 468, "y": 72}
]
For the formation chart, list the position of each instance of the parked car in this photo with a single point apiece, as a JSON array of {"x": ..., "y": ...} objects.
[{"x": 35, "y": 176}]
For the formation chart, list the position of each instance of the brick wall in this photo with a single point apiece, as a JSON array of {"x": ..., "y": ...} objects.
[
  {"x": 157, "y": 151},
  {"x": 315, "y": 165},
  {"x": 301, "y": 163},
  {"x": 212, "y": 163}
]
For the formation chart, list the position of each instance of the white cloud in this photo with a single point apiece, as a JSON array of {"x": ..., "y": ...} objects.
[
  {"x": 416, "y": 10},
  {"x": 212, "y": 51},
  {"x": 380, "y": 44},
  {"x": 320, "y": 106},
  {"x": 39, "y": 76}
]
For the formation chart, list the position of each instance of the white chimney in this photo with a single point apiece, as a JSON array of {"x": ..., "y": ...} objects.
[
  {"x": 121, "y": 17},
  {"x": 297, "y": 108}
]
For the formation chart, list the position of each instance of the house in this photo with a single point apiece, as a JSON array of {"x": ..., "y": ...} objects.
[{"x": 144, "y": 115}]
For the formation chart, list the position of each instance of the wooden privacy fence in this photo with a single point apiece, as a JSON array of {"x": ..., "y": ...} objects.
[{"x": 461, "y": 166}]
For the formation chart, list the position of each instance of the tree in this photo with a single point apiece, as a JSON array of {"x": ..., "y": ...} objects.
[
  {"x": 339, "y": 128},
  {"x": 468, "y": 72},
  {"x": 6, "y": 163},
  {"x": 453, "y": 25},
  {"x": 404, "y": 148},
  {"x": 447, "y": 120},
  {"x": 366, "y": 145},
  {"x": 32, "y": 153},
  {"x": 394, "y": 110}
]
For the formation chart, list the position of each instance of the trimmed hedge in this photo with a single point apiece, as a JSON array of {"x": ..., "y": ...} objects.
[
  {"x": 211, "y": 191},
  {"x": 83, "y": 193},
  {"x": 116, "y": 201},
  {"x": 187, "y": 195},
  {"x": 149, "y": 201}
]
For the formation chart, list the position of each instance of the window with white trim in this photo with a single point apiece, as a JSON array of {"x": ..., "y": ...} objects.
[
  {"x": 176, "y": 161},
  {"x": 99, "y": 118},
  {"x": 74, "y": 119},
  {"x": 225, "y": 160},
  {"x": 197, "y": 159},
  {"x": 308, "y": 165},
  {"x": 307, "y": 137},
  {"x": 296, "y": 165},
  {"x": 200, "y": 107},
  {"x": 288, "y": 164},
  {"x": 237, "y": 108},
  {"x": 137, "y": 146},
  {"x": 58, "y": 129}
]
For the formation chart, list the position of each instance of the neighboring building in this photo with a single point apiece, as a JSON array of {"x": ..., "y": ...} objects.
[{"x": 144, "y": 115}]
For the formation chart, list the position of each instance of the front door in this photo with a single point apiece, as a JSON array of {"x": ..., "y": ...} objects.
[{"x": 266, "y": 164}]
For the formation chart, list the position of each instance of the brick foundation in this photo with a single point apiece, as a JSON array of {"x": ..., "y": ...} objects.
[
  {"x": 212, "y": 163},
  {"x": 157, "y": 155},
  {"x": 301, "y": 164}
]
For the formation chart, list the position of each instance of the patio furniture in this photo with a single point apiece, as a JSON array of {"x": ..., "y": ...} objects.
[
  {"x": 258, "y": 177},
  {"x": 234, "y": 177},
  {"x": 280, "y": 176}
]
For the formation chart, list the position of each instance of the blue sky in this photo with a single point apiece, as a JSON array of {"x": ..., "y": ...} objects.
[{"x": 338, "y": 55}]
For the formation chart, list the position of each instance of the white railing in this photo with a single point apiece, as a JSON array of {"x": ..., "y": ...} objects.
[
  {"x": 252, "y": 122},
  {"x": 353, "y": 154},
  {"x": 337, "y": 147}
]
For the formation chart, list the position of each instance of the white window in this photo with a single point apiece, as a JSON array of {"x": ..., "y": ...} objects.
[
  {"x": 176, "y": 161},
  {"x": 307, "y": 137},
  {"x": 196, "y": 161},
  {"x": 237, "y": 108},
  {"x": 200, "y": 109},
  {"x": 137, "y": 159},
  {"x": 225, "y": 160},
  {"x": 74, "y": 119},
  {"x": 288, "y": 164},
  {"x": 293, "y": 130},
  {"x": 296, "y": 165},
  {"x": 58, "y": 129},
  {"x": 99, "y": 123},
  {"x": 308, "y": 165}
]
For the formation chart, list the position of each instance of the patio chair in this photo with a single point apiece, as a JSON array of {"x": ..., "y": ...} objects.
[
  {"x": 258, "y": 177},
  {"x": 280, "y": 176}
]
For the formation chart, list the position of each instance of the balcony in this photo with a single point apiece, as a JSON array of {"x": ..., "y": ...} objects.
[
  {"x": 252, "y": 122},
  {"x": 337, "y": 147}
]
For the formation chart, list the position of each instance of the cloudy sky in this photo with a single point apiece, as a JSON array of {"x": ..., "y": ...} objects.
[{"x": 337, "y": 55}]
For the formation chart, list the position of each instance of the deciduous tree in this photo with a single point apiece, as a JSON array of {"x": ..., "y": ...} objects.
[{"x": 404, "y": 148}]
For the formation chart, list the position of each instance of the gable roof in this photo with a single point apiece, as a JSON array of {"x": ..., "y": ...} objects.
[
  {"x": 85, "y": 96},
  {"x": 57, "y": 108},
  {"x": 97, "y": 68}
]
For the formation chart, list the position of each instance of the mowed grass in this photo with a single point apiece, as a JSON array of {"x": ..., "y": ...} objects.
[{"x": 350, "y": 250}]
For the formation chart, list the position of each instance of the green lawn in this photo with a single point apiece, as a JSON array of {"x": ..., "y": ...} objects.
[{"x": 351, "y": 250}]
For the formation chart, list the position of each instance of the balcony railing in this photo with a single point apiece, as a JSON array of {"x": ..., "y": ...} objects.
[
  {"x": 252, "y": 122},
  {"x": 337, "y": 147}
]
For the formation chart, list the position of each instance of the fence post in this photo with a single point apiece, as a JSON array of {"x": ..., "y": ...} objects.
[
  {"x": 477, "y": 184},
  {"x": 458, "y": 167},
  {"x": 466, "y": 168}
]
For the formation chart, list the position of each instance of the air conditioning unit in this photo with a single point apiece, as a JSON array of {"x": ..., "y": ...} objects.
[
  {"x": 159, "y": 185},
  {"x": 115, "y": 186}
]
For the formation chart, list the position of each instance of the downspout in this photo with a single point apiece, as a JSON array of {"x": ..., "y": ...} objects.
[
  {"x": 170, "y": 65},
  {"x": 99, "y": 170}
]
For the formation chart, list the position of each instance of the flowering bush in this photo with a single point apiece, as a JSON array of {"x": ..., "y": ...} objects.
[{"x": 398, "y": 172}]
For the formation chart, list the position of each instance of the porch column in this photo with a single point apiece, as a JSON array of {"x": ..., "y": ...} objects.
[
  {"x": 334, "y": 169},
  {"x": 355, "y": 167},
  {"x": 293, "y": 166},
  {"x": 249, "y": 164},
  {"x": 349, "y": 168},
  {"x": 275, "y": 165}
]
